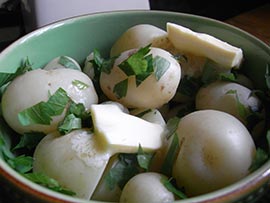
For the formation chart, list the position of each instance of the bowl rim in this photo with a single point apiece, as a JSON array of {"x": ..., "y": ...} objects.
[{"x": 252, "y": 181}]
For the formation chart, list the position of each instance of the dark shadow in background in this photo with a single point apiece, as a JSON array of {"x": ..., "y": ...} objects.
[{"x": 219, "y": 10}]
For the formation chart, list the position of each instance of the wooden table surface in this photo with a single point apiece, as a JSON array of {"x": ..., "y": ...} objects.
[{"x": 256, "y": 22}]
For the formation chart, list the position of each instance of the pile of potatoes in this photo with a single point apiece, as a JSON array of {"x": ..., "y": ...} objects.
[{"x": 215, "y": 139}]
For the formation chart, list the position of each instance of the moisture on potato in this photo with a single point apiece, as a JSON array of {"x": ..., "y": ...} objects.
[
  {"x": 153, "y": 92},
  {"x": 216, "y": 150},
  {"x": 228, "y": 97},
  {"x": 36, "y": 86},
  {"x": 146, "y": 187}
]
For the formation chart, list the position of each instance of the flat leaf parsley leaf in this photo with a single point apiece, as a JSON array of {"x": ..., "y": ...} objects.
[
  {"x": 144, "y": 158},
  {"x": 137, "y": 63},
  {"x": 42, "y": 112},
  {"x": 68, "y": 63},
  {"x": 120, "y": 89},
  {"x": 7, "y": 77},
  {"x": 48, "y": 182},
  {"x": 140, "y": 65}
]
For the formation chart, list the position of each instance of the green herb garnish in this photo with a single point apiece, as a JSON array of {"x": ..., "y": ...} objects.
[
  {"x": 141, "y": 65},
  {"x": 171, "y": 126},
  {"x": 7, "y": 77},
  {"x": 260, "y": 158},
  {"x": 21, "y": 164},
  {"x": 138, "y": 63},
  {"x": 68, "y": 63},
  {"x": 243, "y": 111},
  {"x": 171, "y": 155},
  {"x": 161, "y": 66},
  {"x": 80, "y": 85},
  {"x": 48, "y": 182},
  {"x": 43, "y": 112},
  {"x": 168, "y": 184},
  {"x": 120, "y": 89},
  {"x": 101, "y": 64},
  {"x": 29, "y": 140},
  {"x": 122, "y": 171},
  {"x": 71, "y": 122},
  {"x": 144, "y": 158},
  {"x": 189, "y": 86}
]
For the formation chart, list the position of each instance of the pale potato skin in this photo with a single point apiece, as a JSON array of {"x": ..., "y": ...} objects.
[
  {"x": 35, "y": 86},
  {"x": 150, "y": 93},
  {"x": 216, "y": 96},
  {"x": 146, "y": 187},
  {"x": 139, "y": 36},
  {"x": 75, "y": 160},
  {"x": 216, "y": 150}
]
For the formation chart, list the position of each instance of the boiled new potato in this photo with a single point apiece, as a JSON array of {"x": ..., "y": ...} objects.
[
  {"x": 216, "y": 150},
  {"x": 36, "y": 86},
  {"x": 75, "y": 160},
  {"x": 84, "y": 154},
  {"x": 152, "y": 92},
  {"x": 227, "y": 97},
  {"x": 146, "y": 188},
  {"x": 139, "y": 36}
]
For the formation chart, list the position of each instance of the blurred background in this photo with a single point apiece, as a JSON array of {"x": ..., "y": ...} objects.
[{"x": 18, "y": 17}]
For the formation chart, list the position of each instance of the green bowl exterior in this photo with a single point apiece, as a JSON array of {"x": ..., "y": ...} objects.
[{"x": 78, "y": 36}]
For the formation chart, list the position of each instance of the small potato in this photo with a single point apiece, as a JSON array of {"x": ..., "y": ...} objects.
[
  {"x": 146, "y": 188},
  {"x": 36, "y": 86},
  {"x": 227, "y": 96},
  {"x": 139, "y": 36},
  {"x": 75, "y": 160},
  {"x": 216, "y": 150},
  {"x": 151, "y": 93}
]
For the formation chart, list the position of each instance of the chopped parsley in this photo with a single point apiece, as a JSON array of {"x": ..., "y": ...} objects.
[
  {"x": 68, "y": 63},
  {"x": 120, "y": 89},
  {"x": 171, "y": 155},
  {"x": 243, "y": 111},
  {"x": 172, "y": 188},
  {"x": 48, "y": 182},
  {"x": 140, "y": 65},
  {"x": 144, "y": 159},
  {"x": 29, "y": 140},
  {"x": 70, "y": 122},
  {"x": 7, "y": 77},
  {"x": 161, "y": 66},
  {"x": 127, "y": 166},
  {"x": 80, "y": 85},
  {"x": 43, "y": 112},
  {"x": 189, "y": 86}
]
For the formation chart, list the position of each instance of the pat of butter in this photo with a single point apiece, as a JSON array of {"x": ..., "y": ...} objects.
[
  {"x": 205, "y": 45},
  {"x": 123, "y": 133}
]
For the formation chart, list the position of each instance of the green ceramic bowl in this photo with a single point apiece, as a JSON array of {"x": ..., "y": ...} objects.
[{"x": 77, "y": 37}]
